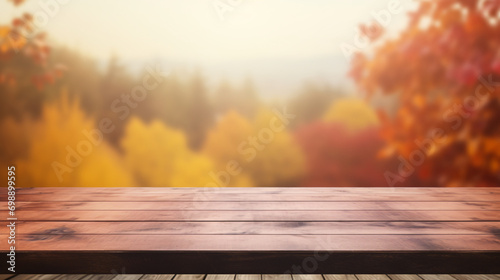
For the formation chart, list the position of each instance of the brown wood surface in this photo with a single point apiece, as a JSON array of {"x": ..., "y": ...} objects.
[
  {"x": 257, "y": 205},
  {"x": 257, "y": 230},
  {"x": 307, "y": 243},
  {"x": 350, "y": 190},
  {"x": 278, "y": 196},
  {"x": 241, "y": 228},
  {"x": 258, "y": 277},
  {"x": 255, "y": 216}
]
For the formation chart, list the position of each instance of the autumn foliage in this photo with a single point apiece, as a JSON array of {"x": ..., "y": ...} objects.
[
  {"x": 435, "y": 87},
  {"x": 159, "y": 156},
  {"x": 22, "y": 42},
  {"x": 338, "y": 157},
  {"x": 57, "y": 154},
  {"x": 272, "y": 160},
  {"x": 341, "y": 149},
  {"x": 444, "y": 69}
]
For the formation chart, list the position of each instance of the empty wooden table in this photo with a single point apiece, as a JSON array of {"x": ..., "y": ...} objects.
[{"x": 255, "y": 230}]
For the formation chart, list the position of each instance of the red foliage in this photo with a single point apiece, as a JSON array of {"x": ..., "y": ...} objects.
[
  {"x": 337, "y": 157},
  {"x": 20, "y": 40},
  {"x": 447, "y": 59}
]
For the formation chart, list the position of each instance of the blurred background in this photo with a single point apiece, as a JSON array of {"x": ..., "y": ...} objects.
[{"x": 249, "y": 93}]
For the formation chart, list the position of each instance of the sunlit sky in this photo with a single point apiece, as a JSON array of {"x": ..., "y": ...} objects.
[
  {"x": 194, "y": 29},
  {"x": 280, "y": 44}
]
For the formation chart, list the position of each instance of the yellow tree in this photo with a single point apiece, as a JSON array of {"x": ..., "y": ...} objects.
[
  {"x": 61, "y": 152},
  {"x": 262, "y": 150},
  {"x": 222, "y": 146},
  {"x": 160, "y": 157},
  {"x": 279, "y": 161},
  {"x": 355, "y": 114}
]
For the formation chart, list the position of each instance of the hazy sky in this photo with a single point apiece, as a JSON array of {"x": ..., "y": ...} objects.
[{"x": 193, "y": 29}]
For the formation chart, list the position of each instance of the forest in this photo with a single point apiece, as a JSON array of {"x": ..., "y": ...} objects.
[{"x": 67, "y": 121}]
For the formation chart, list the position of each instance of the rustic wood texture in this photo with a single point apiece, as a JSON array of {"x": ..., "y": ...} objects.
[
  {"x": 158, "y": 277},
  {"x": 262, "y": 228},
  {"x": 248, "y": 277},
  {"x": 286, "y": 231},
  {"x": 257, "y": 277},
  {"x": 404, "y": 277}
]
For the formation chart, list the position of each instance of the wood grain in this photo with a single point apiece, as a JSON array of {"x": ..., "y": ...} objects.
[
  {"x": 258, "y": 205},
  {"x": 189, "y": 277},
  {"x": 222, "y": 243},
  {"x": 404, "y": 277},
  {"x": 373, "y": 277},
  {"x": 248, "y": 277},
  {"x": 158, "y": 277},
  {"x": 307, "y": 277},
  {"x": 225, "y": 231},
  {"x": 276, "y": 277},
  {"x": 99, "y": 277},
  {"x": 253, "y": 228},
  {"x": 296, "y": 190},
  {"x": 220, "y": 277},
  {"x": 475, "y": 277},
  {"x": 222, "y": 197},
  {"x": 291, "y": 215},
  {"x": 128, "y": 277},
  {"x": 339, "y": 277}
]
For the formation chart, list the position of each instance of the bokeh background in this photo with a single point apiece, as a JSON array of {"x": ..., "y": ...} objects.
[{"x": 250, "y": 93}]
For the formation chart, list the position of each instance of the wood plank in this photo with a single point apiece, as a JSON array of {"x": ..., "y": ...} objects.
[
  {"x": 292, "y": 215},
  {"x": 221, "y": 243},
  {"x": 248, "y": 277},
  {"x": 168, "y": 230},
  {"x": 339, "y": 277},
  {"x": 404, "y": 277},
  {"x": 436, "y": 277},
  {"x": 276, "y": 277},
  {"x": 128, "y": 277},
  {"x": 36, "y": 277},
  {"x": 258, "y": 205},
  {"x": 158, "y": 277},
  {"x": 99, "y": 277},
  {"x": 274, "y": 228},
  {"x": 124, "y": 196},
  {"x": 267, "y": 190},
  {"x": 307, "y": 277},
  {"x": 372, "y": 277},
  {"x": 189, "y": 277},
  {"x": 258, "y": 277},
  {"x": 49, "y": 277},
  {"x": 475, "y": 277},
  {"x": 220, "y": 277}
]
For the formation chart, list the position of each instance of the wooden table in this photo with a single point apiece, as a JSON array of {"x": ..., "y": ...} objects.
[
  {"x": 255, "y": 230},
  {"x": 120, "y": 276}
]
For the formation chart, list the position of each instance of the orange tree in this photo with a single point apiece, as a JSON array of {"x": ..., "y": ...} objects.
[
  {"x": 22, "y": 43},
  {"x": 444, "y": 69}
]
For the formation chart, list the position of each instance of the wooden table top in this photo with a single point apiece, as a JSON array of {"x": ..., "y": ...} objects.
[{"x": 255, "y": 230}]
